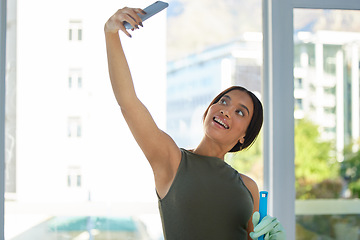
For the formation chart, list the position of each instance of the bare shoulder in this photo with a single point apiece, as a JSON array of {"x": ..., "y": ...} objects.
[
  {"x": 251, "y": 185},
  {"x": 249, "y": 182}
]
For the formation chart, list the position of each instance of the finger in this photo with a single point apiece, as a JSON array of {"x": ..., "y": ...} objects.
[
  {"x": 268, "y": 237},
  {"x": 130, "y": 20},
  {"x": 127, "y": 34},
  {"x": 252, "y": 235},
  {"x": 116, "y": 22},
  {"x": 279, "y": 236},
  {"x": 123, "y": 29},
  {"x": 262, "y": 229},
  {"x": 255, "y": 235},
  {"x": 255, "y": 218},
  {"x": 265, "y": 222},
  {"x": 137, "y": 17},
  {"x": 131, "y": 16},
  {"x": 139, "y": 10},
  {"x": 278, "y": 229}
]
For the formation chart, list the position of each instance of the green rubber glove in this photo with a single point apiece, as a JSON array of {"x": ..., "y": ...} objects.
[{"x": 269, "y": 226}]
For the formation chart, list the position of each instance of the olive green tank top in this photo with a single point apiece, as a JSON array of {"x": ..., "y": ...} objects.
[{"x": 207, "y": 201}]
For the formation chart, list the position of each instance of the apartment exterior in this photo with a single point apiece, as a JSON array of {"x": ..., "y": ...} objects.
[
  {"x": 326, "y": 83},
  {"x": 66, "y": 140},
  {"x": 193, "y": 82},
  {"x": 326, "y": 80}
]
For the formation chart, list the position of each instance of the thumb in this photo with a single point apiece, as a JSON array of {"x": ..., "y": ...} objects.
[{"x": 255, "y": 218}]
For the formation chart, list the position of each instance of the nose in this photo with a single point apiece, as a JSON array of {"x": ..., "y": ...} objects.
[{"x": 225, "y": 113}]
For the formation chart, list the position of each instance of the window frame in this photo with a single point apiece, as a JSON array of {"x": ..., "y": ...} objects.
[
  {"x": 278, "y": 99},
  {"x": 3, "y": 18}
]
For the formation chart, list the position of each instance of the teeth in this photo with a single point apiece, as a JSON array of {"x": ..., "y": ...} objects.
[{"x": 221, "y": 122}]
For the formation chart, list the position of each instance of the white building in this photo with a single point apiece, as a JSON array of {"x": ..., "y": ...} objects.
[
  {"x": 70, "y": 142},
  {"x": 326, "y": 68},
  {"x": 193, "y": 82}
]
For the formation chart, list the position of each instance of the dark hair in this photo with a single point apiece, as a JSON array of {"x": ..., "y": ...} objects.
[{"x": 256, "y": 122}]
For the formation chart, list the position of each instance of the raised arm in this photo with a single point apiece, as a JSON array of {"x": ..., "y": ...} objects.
[{"x": 160, "y": 150}]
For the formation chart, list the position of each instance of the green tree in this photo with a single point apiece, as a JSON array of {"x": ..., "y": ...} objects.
[
  {"x": 249, "y": 161},
  {"x": 350, "y": 170},
  {"x": 316, "y": 169}
]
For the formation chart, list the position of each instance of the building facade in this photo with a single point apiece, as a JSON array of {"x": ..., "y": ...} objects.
[
  {"x": 326, "y": 83},
  {"x": 66, "y": 140},
  {"x": 326, "y": 75},
  {"x": 193, "y": 82}
]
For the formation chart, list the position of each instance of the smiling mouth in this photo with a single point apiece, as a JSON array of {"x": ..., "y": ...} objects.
[{"x": 217, "y": 120}]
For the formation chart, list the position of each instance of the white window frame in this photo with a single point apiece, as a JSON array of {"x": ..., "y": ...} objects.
[
  {"x": 3, "y": 19},
  {"x": 278, "y": 98},
  {"x": 279, "y": 178}
]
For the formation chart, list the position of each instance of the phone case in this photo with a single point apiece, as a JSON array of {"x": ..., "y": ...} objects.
[{"x": 151, "y": 10}]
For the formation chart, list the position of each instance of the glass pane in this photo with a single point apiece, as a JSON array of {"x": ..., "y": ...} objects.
[
  {"x": 73, "y": 169},
  {"x": 207, "y": 54},
  {"x": 327, "y": 156}
]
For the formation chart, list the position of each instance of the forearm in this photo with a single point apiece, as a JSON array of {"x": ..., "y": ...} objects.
[{"x": 119, "y": 71}]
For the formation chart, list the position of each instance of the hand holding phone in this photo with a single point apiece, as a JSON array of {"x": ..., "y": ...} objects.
[{"x": 150, "y": 11}]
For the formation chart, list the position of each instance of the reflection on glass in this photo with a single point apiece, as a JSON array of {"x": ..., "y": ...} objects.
[{"x": 326, "y": 92}]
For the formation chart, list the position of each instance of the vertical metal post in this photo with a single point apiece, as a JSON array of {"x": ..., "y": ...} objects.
[
  {"x": 278, "y": 91},
  {"x": 355, "y": 93},
  {"x": 2, "y": 113},
  {"x": 266, "y": 91}
]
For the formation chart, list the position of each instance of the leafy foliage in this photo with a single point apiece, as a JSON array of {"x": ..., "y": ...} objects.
[
  {"x": 249, "y": 161},
  {"x": 316, "y": 169},
  {"x": 350, "y": 170}
]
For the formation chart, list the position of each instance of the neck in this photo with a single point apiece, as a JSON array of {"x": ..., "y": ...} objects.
[{"x": 210, "y": 149}]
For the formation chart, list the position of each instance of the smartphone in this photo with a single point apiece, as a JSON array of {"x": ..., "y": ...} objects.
[{"x": 150, "y": 11}]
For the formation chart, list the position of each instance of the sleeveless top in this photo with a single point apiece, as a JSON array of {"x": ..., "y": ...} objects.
[{"x": 207, "y": 201}]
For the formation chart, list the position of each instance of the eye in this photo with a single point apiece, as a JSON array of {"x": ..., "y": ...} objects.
[
  {"x": 241, "y": 113},
  {"x": 222, "y": 101}
]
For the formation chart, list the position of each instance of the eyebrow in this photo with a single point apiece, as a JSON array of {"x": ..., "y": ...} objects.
[{"x": 242, "y": 105}]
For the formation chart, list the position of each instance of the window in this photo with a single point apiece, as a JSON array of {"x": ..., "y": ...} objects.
[
  {"x": 74, "y": 127},
  {"x": 202, "y": 61},
  {"x": 298, "y": 83},
  {"x": 237, "y": 62},
  {"x": 75, "y": 30},
  {"x": 326, "y": 148},
  {"x": 298, "y": 104},
  {"x": 74, "y": 177},
  {"x": 75, "y": 79}
]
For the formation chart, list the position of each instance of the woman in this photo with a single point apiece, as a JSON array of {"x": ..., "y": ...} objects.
[{"x": 200, "y": 196}]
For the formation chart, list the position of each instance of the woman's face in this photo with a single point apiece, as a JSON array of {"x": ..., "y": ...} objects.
[{"x": 227, "y": 120}]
